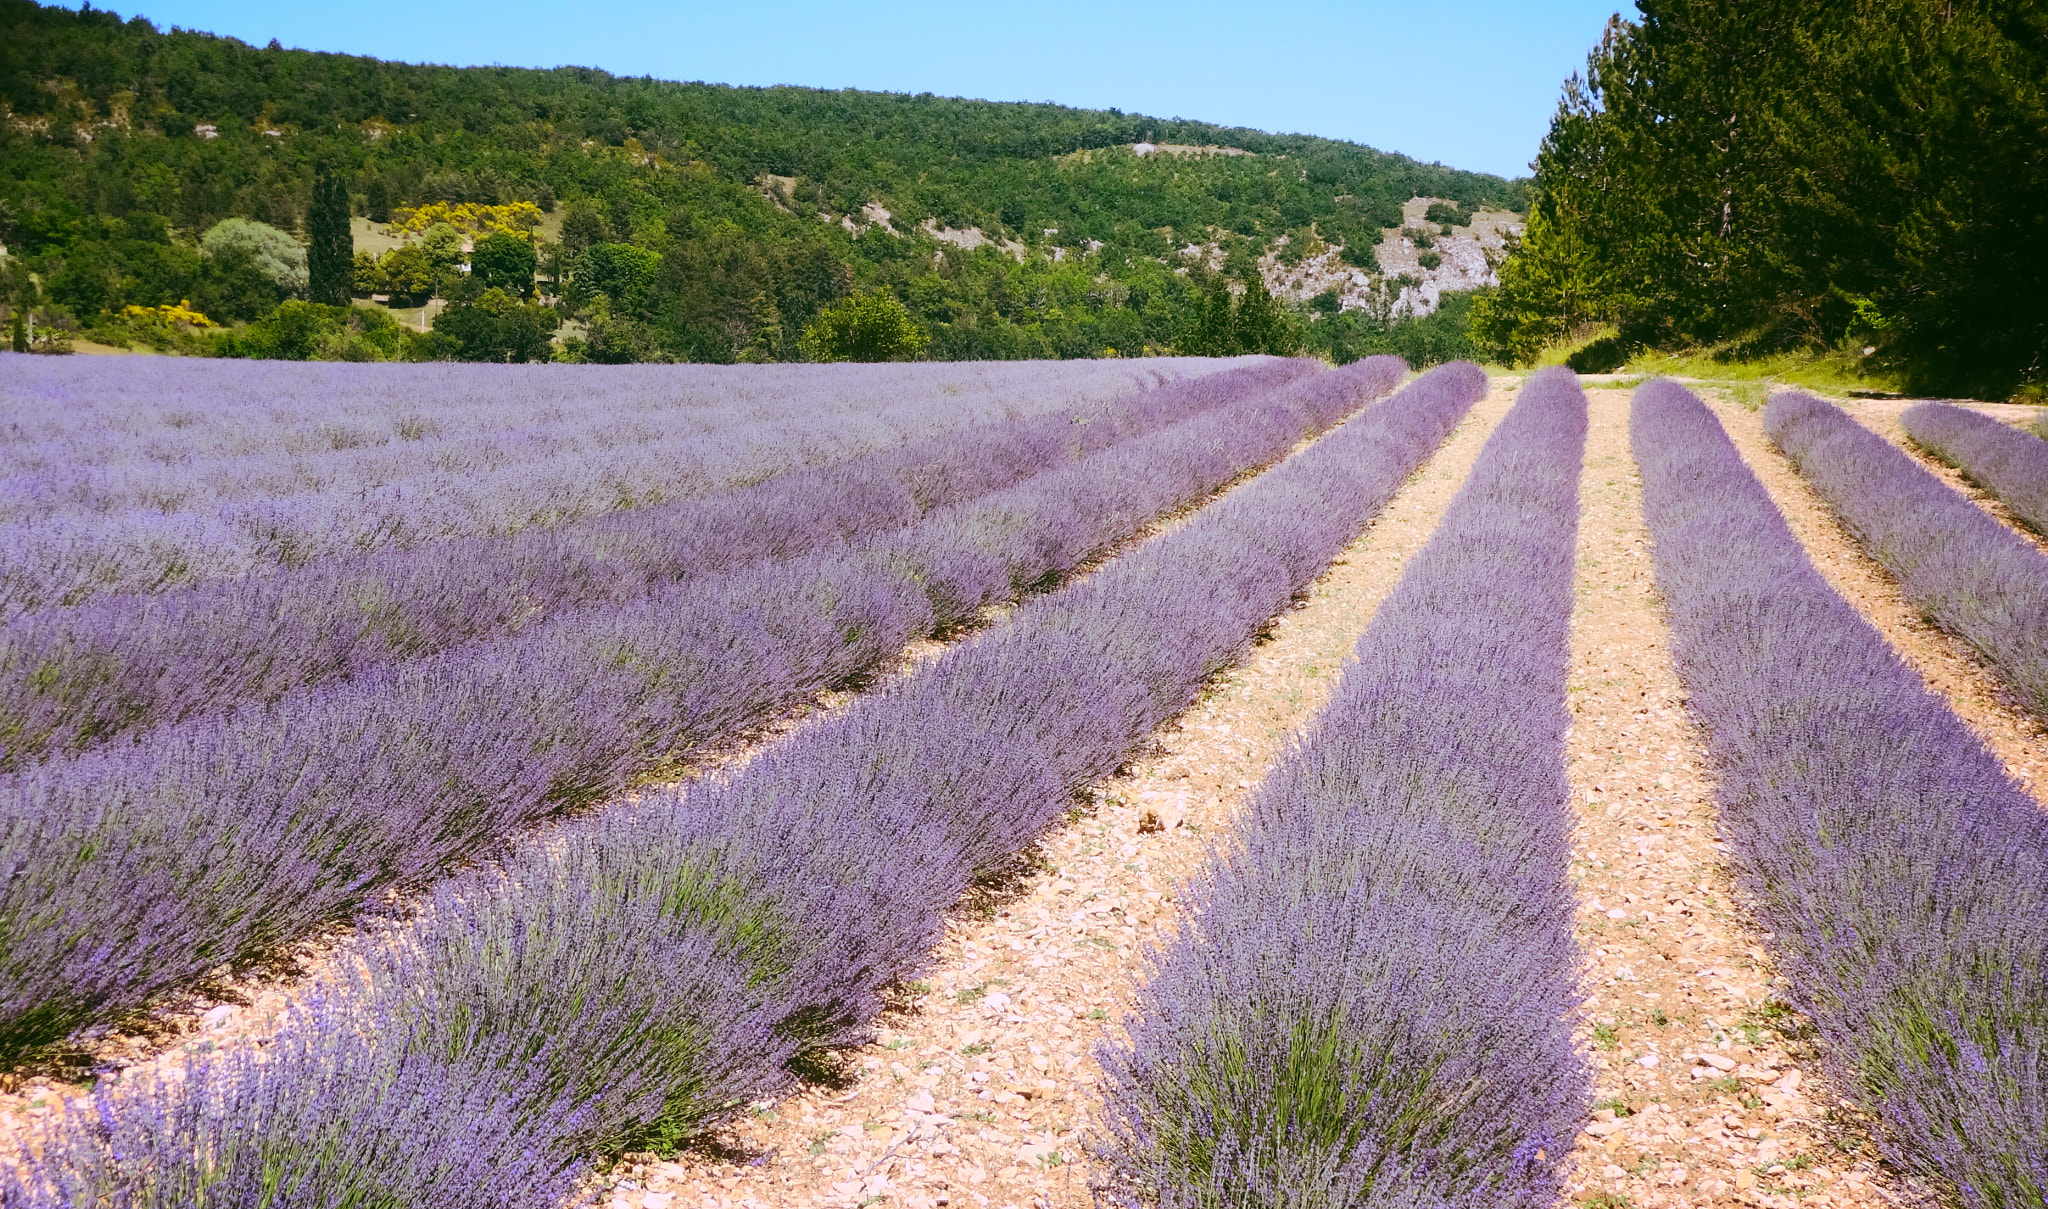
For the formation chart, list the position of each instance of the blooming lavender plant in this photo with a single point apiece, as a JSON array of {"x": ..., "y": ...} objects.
[
  {"x": 135, "y": 478},
  {"x": 71, "y": 677},
  {"x": 2008, "y": 462},
  {"x": 1372, "y": 1002},
  {"x": 212, "y": 840},
  {"x": 658, "y": 965},
  {"x": 1901, "y": 874},
  {"x": 1955, "y": 562}
]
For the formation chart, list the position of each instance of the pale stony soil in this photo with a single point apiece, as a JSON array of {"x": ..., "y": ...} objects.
[
  {"x": 1702, "y": 1101},
  {"x": 983, "y": 1091}
]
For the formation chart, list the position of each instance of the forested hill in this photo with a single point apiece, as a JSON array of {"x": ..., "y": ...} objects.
[{"x": 760, "y": 201}]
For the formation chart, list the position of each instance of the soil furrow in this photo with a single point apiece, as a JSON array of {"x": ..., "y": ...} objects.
[
  {"x": 1702, "y": 1100},
  {"x": 982, "y": 1090}
]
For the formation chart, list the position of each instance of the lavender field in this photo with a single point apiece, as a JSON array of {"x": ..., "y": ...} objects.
[{"x": 638, "y": 740}]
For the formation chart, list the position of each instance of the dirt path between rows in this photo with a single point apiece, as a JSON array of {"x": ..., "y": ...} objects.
[
  {"x": 1702, "y": 1101},
  {"x": 981, "y": 1093}
]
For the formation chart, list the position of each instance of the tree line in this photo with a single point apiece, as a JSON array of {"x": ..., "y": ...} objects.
[{"x": 1864, "y": 180}]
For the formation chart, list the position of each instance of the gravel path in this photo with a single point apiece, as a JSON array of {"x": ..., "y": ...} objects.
[
  {"x": 1703, "y": 1101},
  {"x": 981, "y": 1092}
]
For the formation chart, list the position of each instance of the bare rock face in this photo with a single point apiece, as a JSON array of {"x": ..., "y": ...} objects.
[{"x": 1413, "y": 278}]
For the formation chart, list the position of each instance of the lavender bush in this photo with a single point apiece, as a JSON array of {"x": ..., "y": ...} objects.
[
  {"x": 134, "y": 478},
  {"x": 212, "y": 840},
  {"x": 1372, "y": 1002},
  {"x": 1902, "y": 875},
  {"x": 70, "y": 677},
  {"x": 659, "y": 965},
  {"x": 1955, "y": 562},
  {"x": 2007, "y": 462}
]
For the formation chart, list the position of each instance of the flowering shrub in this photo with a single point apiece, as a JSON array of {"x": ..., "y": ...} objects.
[
  {"x": 182, "y": 312},
  {"x": 664, "y": 964},
  {"x": 2008, "y": 462},
  {"x": 471, "y": 218},
  {"x": 1372, "y": 1002},
  {"x": 1901, "y": 874},
  {"x": 1955, "y": 562},
  {"x": 124, "y": 477},
  {"x": 212, "y": 840}
]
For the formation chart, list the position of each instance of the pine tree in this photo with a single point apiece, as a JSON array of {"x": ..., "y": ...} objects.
[
  {"x": 330, "y": 262},
  {"x": 377, "y": 200},
  {"x": 1261, "y": 325}
]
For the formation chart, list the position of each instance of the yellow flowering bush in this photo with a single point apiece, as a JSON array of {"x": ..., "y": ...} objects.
[
  {"x": 471, "y": 218},
  {"x": 168, "y": 314}
]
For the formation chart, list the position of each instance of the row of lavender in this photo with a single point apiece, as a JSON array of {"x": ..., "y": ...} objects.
[
  {"x": 1372, "y": 1002},
  {"x": 204, "y": 477},
  {"x": 1955, "y": 562},
  {"x": 2009, "y": 463},
  {"x": 134, "y": 869},
  {"x": 1902, "y": 874},
  {"x": 664, "y": 964},
  {"x": 73, "y": 677}
]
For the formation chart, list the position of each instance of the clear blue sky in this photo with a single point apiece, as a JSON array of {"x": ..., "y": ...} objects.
[{"x": 1470, "y": 83}]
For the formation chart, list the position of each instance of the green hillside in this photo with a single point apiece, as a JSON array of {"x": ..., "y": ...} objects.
[{"x": 123, "y": 145}]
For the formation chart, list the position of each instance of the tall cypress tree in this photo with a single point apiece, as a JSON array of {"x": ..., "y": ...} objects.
[{"x": 329, "y": 260}]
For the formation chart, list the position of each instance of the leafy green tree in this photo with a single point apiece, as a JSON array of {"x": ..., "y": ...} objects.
[
  {"x": 328, "y": 261},
  {"x": 275, "y": 254},
  {"x": 441, "y": 244},
  {"x": 406, "y": 272},
  {"x": 292, "y": 332},
  {"x": 1214, "y": 332},
  {"x": 871, "y": 326},
  {"x": 504, "y": 261},
  {"x": 619, "y": 271},
  {"x": 377, "y": 199},
  {"x": 498, "y": 327},
  {"x": 583, "y": 227}
]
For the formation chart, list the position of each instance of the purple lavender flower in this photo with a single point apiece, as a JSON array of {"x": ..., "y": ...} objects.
[
  {"x": 2009, "y": 463},
  {"x": 661, "y": 963},
  {"x": 1902, "y": 875},
  {"x": 1955, "y": 562},
  {"x": 1372, "y": 1004}
]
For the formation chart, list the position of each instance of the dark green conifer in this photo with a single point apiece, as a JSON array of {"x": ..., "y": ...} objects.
[{"x": 330, "y": 262}]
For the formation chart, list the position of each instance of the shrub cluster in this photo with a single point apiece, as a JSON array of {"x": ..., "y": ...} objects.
[
  {"x": 2008, "y": 462},
  {"x": 1902, "y": 875},
  {"x": 213, "y": 840},
  {"x": 1955, "y": 562},
  {"x": 138, "y": 478},
  {"x": 71, "y": 677}
]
